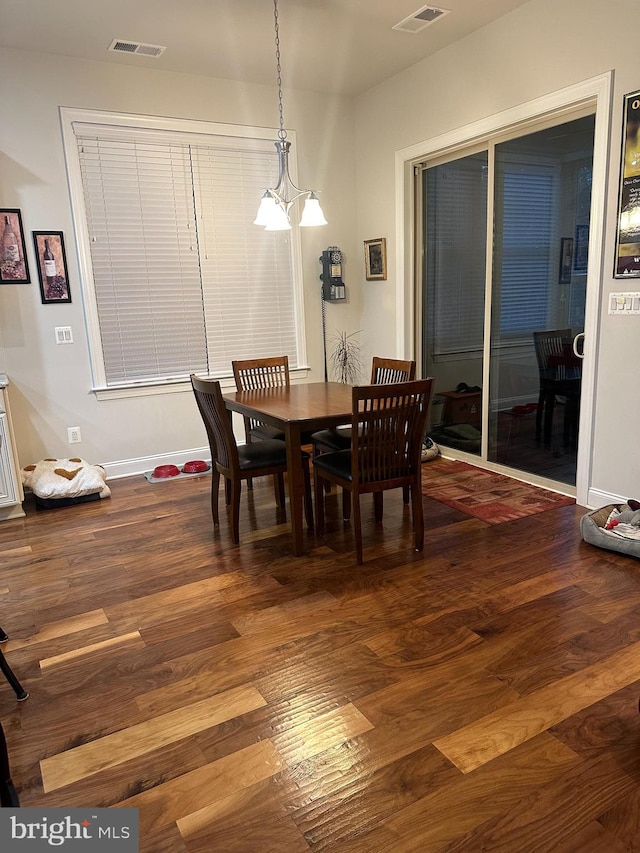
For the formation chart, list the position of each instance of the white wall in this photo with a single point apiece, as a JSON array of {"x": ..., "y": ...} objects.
[
  {"x": 540, "y": 48},
  {"x": 50, "y": 384}
]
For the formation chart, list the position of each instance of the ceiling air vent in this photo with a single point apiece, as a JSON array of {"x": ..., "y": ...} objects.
[
  {"x": 126, "y": 46},
  {"x": 420, "y": 19}
]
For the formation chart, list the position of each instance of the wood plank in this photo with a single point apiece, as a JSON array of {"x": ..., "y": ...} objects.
[
  {"x": 127, "y": 779},
  {"x": 192, "y": 794},
  {"x": 591, "y": 838},
  {"x": 563, "y": 808},
  {"x": 248, "y": 821},
  {"x": 452, "y": 810},
  {"x": 506, "y": 728},
  {"x": 132, "y": 639},
  {"x": 622, "y": 820},
  {"x": 324, "y": 732},
  {"x": 60, "y": 629},
  {"x": 67, "y": 767},
  {"x": 21, "y": 551}
]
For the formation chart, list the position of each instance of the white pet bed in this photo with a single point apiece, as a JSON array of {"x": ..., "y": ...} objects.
[{"x": 63, "y": 482}]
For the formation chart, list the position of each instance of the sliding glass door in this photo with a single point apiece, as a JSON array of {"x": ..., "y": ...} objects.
[
  {"x": 455, "y": 240},
  {"x": 505, "y": 237}
]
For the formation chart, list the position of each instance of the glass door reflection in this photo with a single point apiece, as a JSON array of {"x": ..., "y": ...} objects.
[{"x": 541, "y": 226}]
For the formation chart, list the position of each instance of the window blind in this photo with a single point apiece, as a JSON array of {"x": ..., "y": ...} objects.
[
  {"x": 523, "y": 244},
  {"x": 246, "y": 271},
  {"x": 456, "y": 225},
  {"x": 183, "y": 281}
]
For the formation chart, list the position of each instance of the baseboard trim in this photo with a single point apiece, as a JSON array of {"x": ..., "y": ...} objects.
[
  {"x": 131, "y": 467},
  {"x": 598, "y": 498}
]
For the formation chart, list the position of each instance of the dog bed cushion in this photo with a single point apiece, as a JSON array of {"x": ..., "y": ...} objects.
[
  {"x": 593, "y": 531},
  {"x": 52, "y": 479}
]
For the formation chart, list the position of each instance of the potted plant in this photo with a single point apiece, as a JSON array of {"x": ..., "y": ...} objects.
[{"x": 345, "y": 357}]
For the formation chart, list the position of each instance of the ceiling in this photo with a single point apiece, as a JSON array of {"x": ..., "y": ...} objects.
[{"x": 338, "y": 46}]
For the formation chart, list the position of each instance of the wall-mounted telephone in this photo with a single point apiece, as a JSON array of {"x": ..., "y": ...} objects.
[{"x": 333, "y": 288}]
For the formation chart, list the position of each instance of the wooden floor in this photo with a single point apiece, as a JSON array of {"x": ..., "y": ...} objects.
[{"x": 480, "y": 696}]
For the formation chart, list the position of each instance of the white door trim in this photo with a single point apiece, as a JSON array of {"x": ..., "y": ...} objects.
[{"x": 596, "y": 90}]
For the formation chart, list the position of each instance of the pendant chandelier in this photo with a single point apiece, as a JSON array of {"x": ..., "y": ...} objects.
[{"x": 276, "y": 203}]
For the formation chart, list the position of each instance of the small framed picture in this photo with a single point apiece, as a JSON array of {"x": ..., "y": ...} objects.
[
  {"x": 52, "y": 266},
  {"x": 375, "y": 259},
  {"x": 566, "y": 260},
  {"x": 582, "y": 248},
  {"x": 14, "y": 268}
]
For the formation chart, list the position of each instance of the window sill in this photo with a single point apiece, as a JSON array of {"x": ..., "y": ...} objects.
[{"x": 175, "y": 386}]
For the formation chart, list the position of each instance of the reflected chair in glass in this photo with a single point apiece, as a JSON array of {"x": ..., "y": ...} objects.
[
  {"x": 560, "y": 374},
  {"x": 388, "y": 423},
  {"x": 236, "y": 464}
]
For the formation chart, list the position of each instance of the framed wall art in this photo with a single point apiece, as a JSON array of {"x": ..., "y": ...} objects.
[
  {"x": 375, "y": 259},
  {"x": 52, "y": 266},
  {"x": 627, "y": 262},
  {"x": 566, "y": 260},
  {"x": 581, "y": 255},
  {"x": 14, "y": 268}
]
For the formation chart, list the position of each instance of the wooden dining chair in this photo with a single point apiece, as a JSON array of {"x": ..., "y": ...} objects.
[
  {"x": 387, "y": 371},
  {"x": 387, "y": 424},
  {"x": 235, "y": 463},
  {"x": 384, "y": 371},
  {"x": 9, "y": 674},
  {"x": 8, "y": 794},
  {"x": 256, "y": 373},
  {"x": 253, "y": 374}
]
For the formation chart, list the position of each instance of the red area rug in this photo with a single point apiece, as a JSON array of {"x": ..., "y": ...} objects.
[{"x": 490, "y": 497}]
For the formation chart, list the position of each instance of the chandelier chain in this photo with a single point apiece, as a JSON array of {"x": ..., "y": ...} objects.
[
  {"x": 275, "y": 205},
  {"x": 282, "y": 133}
]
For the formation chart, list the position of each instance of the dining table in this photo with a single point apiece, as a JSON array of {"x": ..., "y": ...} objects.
[{"x": 301, "y": 408}]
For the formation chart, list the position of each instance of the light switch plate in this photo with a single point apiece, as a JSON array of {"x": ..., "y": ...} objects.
[
  {"x": 624, "y": 303},
  {"x": 64, "y": 335}
]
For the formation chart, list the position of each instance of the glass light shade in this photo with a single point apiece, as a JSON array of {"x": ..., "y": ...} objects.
[
  {"x": 278, "y": 219},
  {"x": 312, "y": 213},
  {"x": 265, "y": 210}
]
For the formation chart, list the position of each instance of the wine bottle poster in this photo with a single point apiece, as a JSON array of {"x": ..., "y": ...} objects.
[
  {"x": 14, "y": 268},
  {"x": 627, "y": 260},
  {"x": 52, "y": 266}
]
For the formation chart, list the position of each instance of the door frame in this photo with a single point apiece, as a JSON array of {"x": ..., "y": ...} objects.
[{"x": 595, "y": 92}]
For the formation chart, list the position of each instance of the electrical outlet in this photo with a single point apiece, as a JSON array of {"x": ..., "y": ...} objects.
[{"x": 73, "y": 434}]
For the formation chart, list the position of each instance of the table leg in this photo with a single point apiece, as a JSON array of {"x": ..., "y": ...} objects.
[{"x": 295, "y": 479}]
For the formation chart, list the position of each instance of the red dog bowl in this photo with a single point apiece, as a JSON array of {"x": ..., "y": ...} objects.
[
  {"x": 162, "y": 471},
  {"x": 196, "y": 466}
]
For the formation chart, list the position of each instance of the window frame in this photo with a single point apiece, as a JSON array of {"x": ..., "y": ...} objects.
[{"x": 194, "y": 130}]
